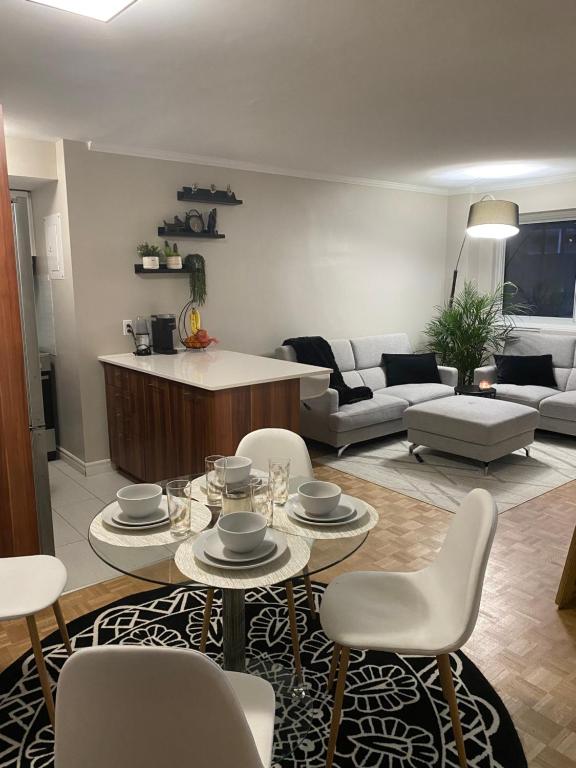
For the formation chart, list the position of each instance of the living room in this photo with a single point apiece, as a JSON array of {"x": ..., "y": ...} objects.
[{"x": 335, "y": 157}]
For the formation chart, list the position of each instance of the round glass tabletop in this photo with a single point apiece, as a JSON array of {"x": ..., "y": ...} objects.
[{"x": 156, "y": 563}]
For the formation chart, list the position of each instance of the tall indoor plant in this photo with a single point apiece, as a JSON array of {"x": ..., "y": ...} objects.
[{"x": 468, "y": 332}]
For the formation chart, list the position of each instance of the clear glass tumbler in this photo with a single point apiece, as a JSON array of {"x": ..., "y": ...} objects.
[
  {"x": 279, "y": 477},
  {"x": 236, "y": 498},
  {"x": 261, "y": 500},
  {"x": 179, "y": 507},
  {"x": 215, "y": 478}
]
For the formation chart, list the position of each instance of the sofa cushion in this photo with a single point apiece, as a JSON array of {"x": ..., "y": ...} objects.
[
  {"x": 368, "y": 349},
  {"x": 562, "y": 376},
  {"x": 375, "y": 378},
  {"x": 561, "y": 347},
  {"x": 411, "y": 369},
  {"x": 525, "y": 369},
  {"x": 366, "y": 413},
  {"x": 560, "y": 406},
  {"x": 526, "y": 395},
  {"x": 471, "y": 419},
  {"x": 343, "y": 354},
  {"x": 419, "y": 393},
  {"x": 352, "y": 379}
]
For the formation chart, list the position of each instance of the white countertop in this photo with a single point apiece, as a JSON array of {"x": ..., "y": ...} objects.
[{"x": 215, "y": 369}]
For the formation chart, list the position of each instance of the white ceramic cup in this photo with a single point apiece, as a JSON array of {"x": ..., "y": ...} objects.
[
  {"x": 139, "y": 500},
  {"x": 318, "y": 497},
  {"x": 241, "y": 531}
]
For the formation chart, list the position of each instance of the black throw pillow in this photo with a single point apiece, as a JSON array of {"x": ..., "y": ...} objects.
[
  {"x": 526, "y": 369},
  {"x": 411, "y": 369}
]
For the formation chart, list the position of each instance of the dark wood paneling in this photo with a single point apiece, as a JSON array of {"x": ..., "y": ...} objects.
[
  {"x": 18, "y": 521},
  {"x": 160, "y": 428},
  {"x": 276, "y": 404}
]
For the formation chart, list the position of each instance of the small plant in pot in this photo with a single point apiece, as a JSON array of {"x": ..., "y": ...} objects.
[
  {"x": 467, "y": 333},
  {"x": 150, "y": 255},
  {"x": 171, "y": 255}
]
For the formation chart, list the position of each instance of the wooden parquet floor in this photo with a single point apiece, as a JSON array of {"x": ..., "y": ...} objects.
[{"x": 522, "y": 643}]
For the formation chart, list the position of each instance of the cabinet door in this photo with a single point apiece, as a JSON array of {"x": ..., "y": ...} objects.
[
  {"x": 191, "y": 413},
  {"x": 132, "y": 444},
  {"x": 160, "y": 450}
]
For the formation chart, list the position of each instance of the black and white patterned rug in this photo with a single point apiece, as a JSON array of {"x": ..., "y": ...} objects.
[{"x": 394, "y": 713}]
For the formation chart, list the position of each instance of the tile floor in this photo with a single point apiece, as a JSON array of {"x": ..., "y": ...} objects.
[{"x": 76, "y": 499}]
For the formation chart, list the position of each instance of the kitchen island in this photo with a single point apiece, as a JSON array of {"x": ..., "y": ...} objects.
[{"x": 167, "y": 412}]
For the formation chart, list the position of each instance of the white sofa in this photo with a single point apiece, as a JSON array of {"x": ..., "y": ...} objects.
[
  {"x": 557, "y": 407},
  {"x": 359, "y": 361}
]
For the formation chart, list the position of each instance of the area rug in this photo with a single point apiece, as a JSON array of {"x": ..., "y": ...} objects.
[
  {"x": 444, "y": 480},
  {"x": 394, "y": 713}
]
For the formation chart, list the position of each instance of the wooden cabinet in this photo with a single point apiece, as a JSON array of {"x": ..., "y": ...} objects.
[{"x": 160, "y": 428}]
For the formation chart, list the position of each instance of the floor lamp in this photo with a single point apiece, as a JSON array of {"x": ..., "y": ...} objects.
[{"x": 488, "y": 219}]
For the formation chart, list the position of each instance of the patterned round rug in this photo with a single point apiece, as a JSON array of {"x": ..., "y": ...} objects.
[{"x": 394, "y": 713}]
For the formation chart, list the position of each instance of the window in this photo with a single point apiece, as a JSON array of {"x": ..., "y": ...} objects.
[{"x": 541, "y": 262}]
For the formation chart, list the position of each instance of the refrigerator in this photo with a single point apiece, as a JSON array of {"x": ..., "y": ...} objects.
[{"x": 36, "y": 422}]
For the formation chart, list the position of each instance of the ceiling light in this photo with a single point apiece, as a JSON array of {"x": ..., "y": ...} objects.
[
  {"x": 102, "y": 10},
  {"x": 494, "y": 219}
]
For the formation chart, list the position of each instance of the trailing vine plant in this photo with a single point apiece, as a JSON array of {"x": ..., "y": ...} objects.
[{"x": 197, "y": 278}]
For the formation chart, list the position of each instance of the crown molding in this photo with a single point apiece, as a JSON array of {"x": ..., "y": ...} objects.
[{"x": 238, "y": 165}]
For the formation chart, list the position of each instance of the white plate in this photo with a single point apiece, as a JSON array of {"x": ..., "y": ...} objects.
[
  {"x": 215, "y": 549},
  {"x": 346, "y": 512},
  {"x": 112, "y": 514},
  {"x": 277, "y": 537}
]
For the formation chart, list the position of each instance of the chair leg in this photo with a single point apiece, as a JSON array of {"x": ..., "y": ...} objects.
[
  {"x": 41, "y": 666},
  {"x": 309, "y": 593},
  {"x": 57, "y": 608},
  {"x": 293, "y": 629},
  {"x": 337, "y": 711},
  {"x": 206, "y": 619},
  {"x": 450, "y": 694},
  {"x": 334, "y": 665}
]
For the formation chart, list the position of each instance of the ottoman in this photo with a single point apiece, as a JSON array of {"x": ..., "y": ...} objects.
[{"x": 473, "y": 427}]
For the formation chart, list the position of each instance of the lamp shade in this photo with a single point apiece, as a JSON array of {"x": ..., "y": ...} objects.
[{"x": 496, "y": 219}]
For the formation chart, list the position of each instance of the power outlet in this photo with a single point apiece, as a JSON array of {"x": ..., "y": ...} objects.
[{"x": 126, "y": 327}]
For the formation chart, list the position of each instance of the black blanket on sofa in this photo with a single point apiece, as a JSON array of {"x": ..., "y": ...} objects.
[{"x": 314, "y": 350}]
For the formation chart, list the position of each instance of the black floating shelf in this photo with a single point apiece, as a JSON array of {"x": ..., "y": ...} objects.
[
  {"x": 162, "y": 270},
  {"x": 220, "y": 197},
  {"x": 188, "y": 233}
]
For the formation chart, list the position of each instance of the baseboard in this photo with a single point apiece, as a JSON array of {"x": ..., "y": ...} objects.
[{"x": 87, "y": 468}]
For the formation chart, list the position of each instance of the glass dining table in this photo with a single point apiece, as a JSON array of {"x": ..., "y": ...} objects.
[{"x": 156, "y": 563}]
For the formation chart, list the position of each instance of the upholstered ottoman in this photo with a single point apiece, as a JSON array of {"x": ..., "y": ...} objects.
[{"x": 474, "y": 427}]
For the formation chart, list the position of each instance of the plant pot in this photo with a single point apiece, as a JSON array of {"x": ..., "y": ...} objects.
[
  {"x": 150, "y": 262},
  {"x": 174, "y": 262}
]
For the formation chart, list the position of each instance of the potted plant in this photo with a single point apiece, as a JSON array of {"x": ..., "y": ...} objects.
[
  {"x": 150, "y": 255},
  {"x": 467, "y": 333},
  {"x": 171, "y": 255}
]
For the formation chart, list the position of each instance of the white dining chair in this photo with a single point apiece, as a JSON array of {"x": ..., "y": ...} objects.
[
  {"x": 28, "y": 585},
  {"x": 144, "y": 707},
  {"x": 430, "y": 612},
  {"x": 263, "y": 444}
]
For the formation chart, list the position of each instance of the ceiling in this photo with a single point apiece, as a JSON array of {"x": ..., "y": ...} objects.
[{"x": 443, "y": 94}]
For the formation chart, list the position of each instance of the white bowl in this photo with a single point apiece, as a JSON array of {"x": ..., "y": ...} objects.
[
  {"x": 318, "y": 497},
  {"x": 241, "y": 531},
  {"x": 237, "y": 468},
  {"x": 139, "y": 500}
]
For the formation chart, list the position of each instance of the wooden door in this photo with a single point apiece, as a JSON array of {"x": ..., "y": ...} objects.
[
  {"x": 159, "y": 440},
  {"x": 18, "y": 520}
]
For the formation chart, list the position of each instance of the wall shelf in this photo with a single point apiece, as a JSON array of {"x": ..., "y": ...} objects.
[
  {"x": 220, "y": 197},
  {"x": 163, "y": 270},
  {"x": 189, "y": 234}
]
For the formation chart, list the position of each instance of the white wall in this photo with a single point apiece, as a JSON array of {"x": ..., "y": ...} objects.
[
  {"x": 300, "y": 257},
  {"x": 30, "y": 162}
]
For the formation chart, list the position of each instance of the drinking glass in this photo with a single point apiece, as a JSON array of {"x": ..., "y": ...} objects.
[
  {"x": 261, "y": 500},
  {"x": 236, "y": 498},
  {"x": 279, "y": 477},
  {"x": 179, "y": 507},
  {"x": 215, "y": 479}
]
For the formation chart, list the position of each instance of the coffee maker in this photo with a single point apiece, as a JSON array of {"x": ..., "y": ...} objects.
[{"x": 163, "y": 327}]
